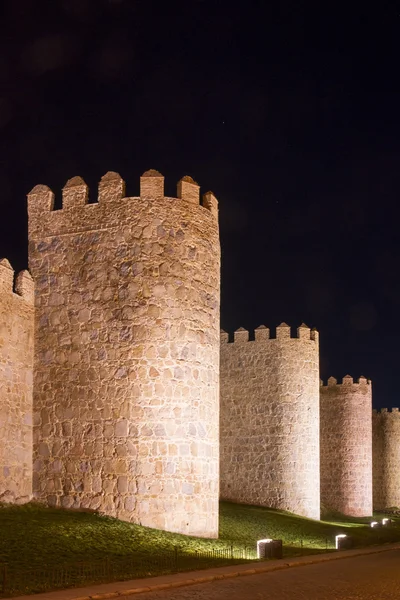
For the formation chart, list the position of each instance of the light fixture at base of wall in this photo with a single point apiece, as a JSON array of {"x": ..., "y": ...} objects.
[
  {"x": 259, "y": 542},
  {"x": 337, "y": 538}
]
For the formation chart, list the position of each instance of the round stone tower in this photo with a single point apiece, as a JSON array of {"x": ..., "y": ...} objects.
[
  {"x": 270, "y": 420},
  {"x": 346, "y": 446},
  {"x": 126, "y": 379},
  {"x": 386, "y": 458}
]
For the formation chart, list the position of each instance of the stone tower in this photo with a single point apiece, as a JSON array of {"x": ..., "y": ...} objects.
[
  {"x": 386, "y": 458},
  {"x": 269, "y": 423},
  {"x": 126, "y": 373},
  {"x": 346, "y": 446},
  {"x": 16, "y": 363}
]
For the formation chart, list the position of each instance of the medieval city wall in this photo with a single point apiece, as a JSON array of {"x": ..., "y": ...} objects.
[
  {"x": 122, "y": 338},
  {"x": 16, "y": 364},
  {"x": 126, "y": 390},
  {"x": 269, "y": 420},
  {"x": 386, "y": 458},
  {"x": 346, "y": 446}
]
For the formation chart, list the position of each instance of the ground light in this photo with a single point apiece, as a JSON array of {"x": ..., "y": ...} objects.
[
  {"x": 374, "y": 524},
  {"x": 386, "y": 522},
  {"x": 260, "y": 547},
  {"x": 337, "y": 538}
]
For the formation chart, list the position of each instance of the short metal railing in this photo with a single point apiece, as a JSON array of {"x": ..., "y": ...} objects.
[
  {"x": 18, "y": 581},
  {"x": 14, "y": 580}
]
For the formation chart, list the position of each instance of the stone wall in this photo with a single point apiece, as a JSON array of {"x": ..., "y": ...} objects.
[
  {"x": 126, "y": 376},
  {"x": 269, "y": 422},
  {"x": 386, "y": 458},
  {"x": 378, "y": 474},
  {"x": 127, "y": 352},
  {"x": 16, "y": 364},
  {"x": 346, "y": 446}
]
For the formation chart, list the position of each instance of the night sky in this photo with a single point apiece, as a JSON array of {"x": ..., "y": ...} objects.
[{"x": 290, "y": 117}]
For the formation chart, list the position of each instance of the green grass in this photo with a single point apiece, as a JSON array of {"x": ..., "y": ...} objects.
[
  {"x": 33, "y": 536},
  {"x": 242, "y": 524}
]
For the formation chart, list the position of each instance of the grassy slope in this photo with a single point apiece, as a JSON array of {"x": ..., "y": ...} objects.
[
  {"x": 243, "y": 524},
  {"x": 32, "y": 535}
]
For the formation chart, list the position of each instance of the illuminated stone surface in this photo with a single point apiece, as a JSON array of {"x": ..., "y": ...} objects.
[
  {"x": 16, "y": 361},
  {"x": 126, "y": 376},
  {"x": 269, "y": 424},
  {"x": 386, "y": 458},
  {"x": 127, "y": 352},
  {"x": 346, "y": 446}
]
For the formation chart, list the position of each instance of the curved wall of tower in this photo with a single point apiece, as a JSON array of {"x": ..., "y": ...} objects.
[
  {"x": 386, "y": 458},
  {"x": 126, "y": 375},
  {"x": 16, "y": 362},
  {"x": 269, "y": 421},
  {"x": 346, "y": 446}
]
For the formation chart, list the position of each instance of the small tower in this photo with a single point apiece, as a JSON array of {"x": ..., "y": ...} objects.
[
  {"x": 270, "y": 419},
  {"x": 386, "y": 458},
  {"x": 346, "y": 446}
]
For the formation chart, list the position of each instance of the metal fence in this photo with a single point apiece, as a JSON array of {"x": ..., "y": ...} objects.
[
  {"x": 15, "y": 581},
  {"x": 300, "y": 548},
  {"x": 18, "y": 581}
]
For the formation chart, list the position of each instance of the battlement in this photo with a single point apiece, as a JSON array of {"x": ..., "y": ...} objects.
[
  {"x": 262, "y": 334},
  {"x": 24, "y": 287},
  {"x": 77, "y": 213},
  {"x": 386, "y": 411},
  {"x": 346, "y": 382}
]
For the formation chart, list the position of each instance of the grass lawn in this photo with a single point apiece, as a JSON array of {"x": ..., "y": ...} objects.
[
  {"x": 36, "y": 537},
  {"x": 242, "y": 524}
]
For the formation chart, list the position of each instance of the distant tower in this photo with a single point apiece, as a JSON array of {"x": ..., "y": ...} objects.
[
  {"x": 346, "y": 446},
  {"x": 127, "y": 352},
  {"x": 270, "y": 420},
  {"x": 16, "y": 363},
  {"x": 386, "y": 458}
]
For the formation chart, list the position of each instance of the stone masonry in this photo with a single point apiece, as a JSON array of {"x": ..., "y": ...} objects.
[
  {"x": 269, "y": 420},
  {"x": 126, "y": 388},
  {"x": 117, "y": 358},
  {"x": 16, "y": 362},
  {"x": 346, "y": 446},
  {"x": 386, "y": 458}
]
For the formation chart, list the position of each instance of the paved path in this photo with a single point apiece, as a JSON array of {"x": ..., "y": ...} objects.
[{"x": 371, "y": 577}]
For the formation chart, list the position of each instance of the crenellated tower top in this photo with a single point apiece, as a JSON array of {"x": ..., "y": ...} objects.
[
  {"x": 393, "y": 413},
  {"x": 77, "y": 214},
  {"x": 347, "y": 381},
  {"x": 262, "y": 334},
  {"x": 24, "y": 287}
]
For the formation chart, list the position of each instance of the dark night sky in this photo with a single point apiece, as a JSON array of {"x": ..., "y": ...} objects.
[{"x": 290, "y": 117}]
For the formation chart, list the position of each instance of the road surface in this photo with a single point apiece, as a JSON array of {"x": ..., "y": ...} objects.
[{"x": 370, "y": 577}]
